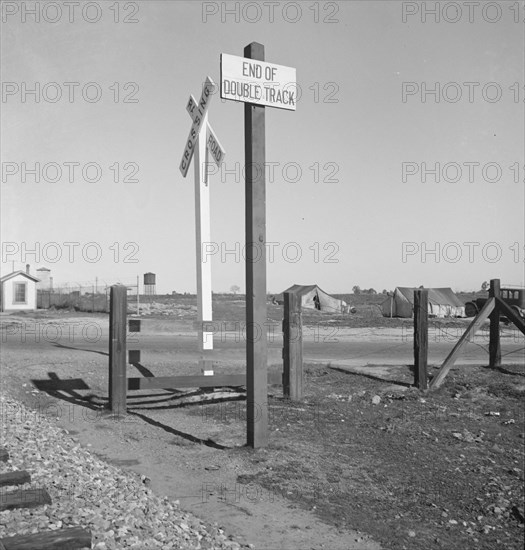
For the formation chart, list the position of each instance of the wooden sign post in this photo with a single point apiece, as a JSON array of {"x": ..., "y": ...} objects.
[
  {"x": 257, "y": 84},
  {"x": 200, "y": 141},
  {"x": 255, "y": 236}
]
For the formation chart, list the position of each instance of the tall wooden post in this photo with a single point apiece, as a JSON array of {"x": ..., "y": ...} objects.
[
  {"x": 420, "y": 338},
  {"x": 292, "y": 347},
  {"x": 256, "y": 329},
  {"x": 494, "y": 341},
  {"x": 118, "y": 309}
]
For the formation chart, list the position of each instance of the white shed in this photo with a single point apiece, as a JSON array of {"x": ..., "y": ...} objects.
[{"x": 18, "y": 291}]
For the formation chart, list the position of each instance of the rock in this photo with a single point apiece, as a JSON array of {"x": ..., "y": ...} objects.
[
  {"x": 517, "y": 513},
  {"x": 376, "y": 400},
  {"x": 120, "y": 511}
]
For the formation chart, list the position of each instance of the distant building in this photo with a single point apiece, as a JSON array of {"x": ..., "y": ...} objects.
[
  {"x": 18, "y": 291},
  {"x": 46, "y": 281}
]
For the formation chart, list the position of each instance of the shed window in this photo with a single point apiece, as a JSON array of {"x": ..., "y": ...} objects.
[{"x": 20, "y": 293}]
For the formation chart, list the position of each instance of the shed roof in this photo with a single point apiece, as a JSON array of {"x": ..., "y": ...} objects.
[{"x": 15, "y": 273}]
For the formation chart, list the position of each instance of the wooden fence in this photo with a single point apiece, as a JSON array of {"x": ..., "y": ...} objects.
[
  {"x": 73, "y": 299},
  {"x": 120, "y": 384},
  {"x": 494, "y": 307}
]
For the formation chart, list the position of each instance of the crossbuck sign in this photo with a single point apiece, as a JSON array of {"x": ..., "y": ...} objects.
[
  {"x": 199, "y": 115},
  {"x": 202, "y": 142}
]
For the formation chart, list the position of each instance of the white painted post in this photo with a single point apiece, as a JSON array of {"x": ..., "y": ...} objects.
[
  {"x": 197, "y": 146},
  {"x": 203, "y": 237}
]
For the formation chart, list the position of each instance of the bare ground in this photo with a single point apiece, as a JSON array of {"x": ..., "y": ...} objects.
[{"x": 364, "y": 461}]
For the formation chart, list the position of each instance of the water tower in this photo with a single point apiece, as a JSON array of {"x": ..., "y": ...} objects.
[{"x": 149, "y": 284}]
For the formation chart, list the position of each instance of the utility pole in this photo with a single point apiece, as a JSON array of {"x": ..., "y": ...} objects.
[{"x": 138, "y": 296}]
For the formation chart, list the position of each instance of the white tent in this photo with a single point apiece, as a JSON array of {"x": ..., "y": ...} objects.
[
  {"x": 442, "y": 302},
  {"x": 313, "y": 297}
]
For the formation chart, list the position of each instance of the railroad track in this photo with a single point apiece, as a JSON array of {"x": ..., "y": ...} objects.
[{"x": 71, "y": 538}]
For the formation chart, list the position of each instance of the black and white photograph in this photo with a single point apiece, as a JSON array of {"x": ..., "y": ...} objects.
[{"x": 262, "y": 278}]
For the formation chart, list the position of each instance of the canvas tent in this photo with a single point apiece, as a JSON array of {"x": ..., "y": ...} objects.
[
  {"x": 442, "y": 302},
  {"x": 313, "y": 297}
]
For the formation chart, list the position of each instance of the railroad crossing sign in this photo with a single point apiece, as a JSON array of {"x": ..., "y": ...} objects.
[
  {"x": 212, "y": 143},
  {"x": 198, "y": 122},
  {"x": 258, "y": 84},
  {"x": 201, "y": 142}
]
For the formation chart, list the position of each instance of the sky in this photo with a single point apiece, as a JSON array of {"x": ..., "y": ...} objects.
[{"x": 402, "y": 165}]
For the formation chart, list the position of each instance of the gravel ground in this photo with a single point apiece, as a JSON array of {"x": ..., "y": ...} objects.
[{"x": 116, "y": 506}]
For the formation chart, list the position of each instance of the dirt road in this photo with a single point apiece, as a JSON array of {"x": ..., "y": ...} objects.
[
  {"x": 181, "y": 450},
  {"x": 177, "y": 341}
]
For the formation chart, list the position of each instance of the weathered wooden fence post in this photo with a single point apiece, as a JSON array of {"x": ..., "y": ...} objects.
[
  {"x": 292, "y": 347},
  {"x": 420, "y": 338},
  {"x": 118, "y": 309},
  {"x": 494, "y": 342}
]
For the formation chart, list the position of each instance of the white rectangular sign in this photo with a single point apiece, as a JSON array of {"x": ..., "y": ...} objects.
[
  {"x": 212, "y": 143},
  {"x": 198, "y": 118},
  {"x": 214, "y": 147},
  {"x": 252, "y": 81}
]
